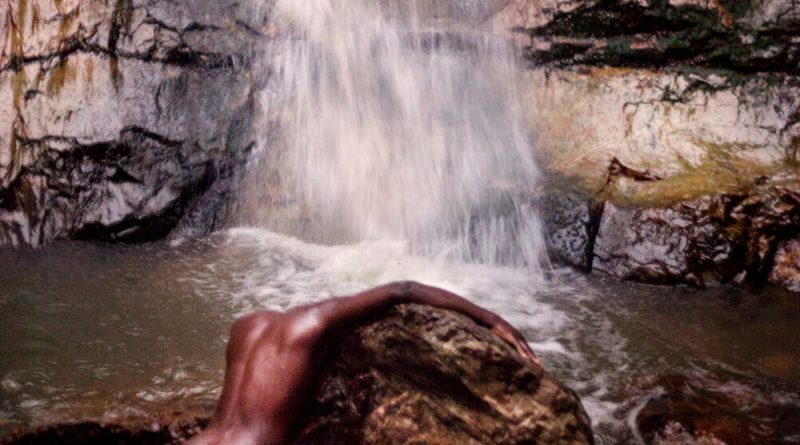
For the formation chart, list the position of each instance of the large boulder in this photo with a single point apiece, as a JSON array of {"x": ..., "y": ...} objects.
[
  {"x": 415, "y": 376},
  {"x": 427, "y": 376}
]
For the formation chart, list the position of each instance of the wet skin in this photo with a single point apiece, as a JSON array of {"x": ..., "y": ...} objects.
[{"x": 271, "y": 358}]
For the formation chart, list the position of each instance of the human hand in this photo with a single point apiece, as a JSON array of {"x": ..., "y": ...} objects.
[{"x": 510, "y": 335}]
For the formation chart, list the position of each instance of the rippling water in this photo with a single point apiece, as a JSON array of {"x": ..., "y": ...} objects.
[{"x": 109, "y": 332}]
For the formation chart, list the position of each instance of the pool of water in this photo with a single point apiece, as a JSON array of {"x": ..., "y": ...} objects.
[{"x": 97, "y": 332}]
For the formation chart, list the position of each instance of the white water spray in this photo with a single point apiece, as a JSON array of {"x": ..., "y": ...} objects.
[{"x": 395, "y": 121}]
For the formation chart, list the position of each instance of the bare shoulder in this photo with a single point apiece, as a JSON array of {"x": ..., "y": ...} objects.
[
  {"x": 305, "y": 325},
  {"x": 255, "y": 321}
]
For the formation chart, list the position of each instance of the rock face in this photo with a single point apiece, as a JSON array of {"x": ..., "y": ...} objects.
[
  {"x": 711, "y": 240},
  {"x": 703, "y": 95},
  {"x": 125, "y": 120},
  {"x": 733, "y": 236},
  {"x": 415, "y": 376},
  {"x": 121, "y": 120}
]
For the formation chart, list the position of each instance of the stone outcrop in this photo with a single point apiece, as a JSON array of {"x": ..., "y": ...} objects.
[
  {"x": 415, "y": 376},
  {"x": 122, "y": 120},
  {"x": 702, "y": 95}
]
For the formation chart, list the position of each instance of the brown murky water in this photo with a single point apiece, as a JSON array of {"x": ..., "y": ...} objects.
[{"x": 120, "y": 332}]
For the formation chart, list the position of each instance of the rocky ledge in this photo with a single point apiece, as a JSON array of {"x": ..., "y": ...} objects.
[
  {"x": 415, "y": 376},
  {"x": 746, "y": 235}
]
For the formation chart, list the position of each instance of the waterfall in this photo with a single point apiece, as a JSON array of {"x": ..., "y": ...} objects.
[{"x": 394, "y": 120}]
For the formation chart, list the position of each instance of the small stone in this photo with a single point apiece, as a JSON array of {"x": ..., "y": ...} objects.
[{"x": 786, "y": 268}]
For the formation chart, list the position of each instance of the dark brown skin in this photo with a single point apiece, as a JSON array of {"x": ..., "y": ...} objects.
[{"x": 270, "y": 358}]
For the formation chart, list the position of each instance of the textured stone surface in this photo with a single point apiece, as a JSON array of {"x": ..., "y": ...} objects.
[
  {"x": 417, "y": 375},
  {"x": 677, "y": 87},
  {"x": 672, "y": 245},
  {"x": 702, "y": 131},
  {"x": 570, "y": 226},
  {"x": 122, "y": 119},
  {"x": 786, "y": 270},
  {"x": 703, "y": 95},
  {"x": 433, "y": 377},
  {"x": 697, "y": 410},
  {"x": 711, "y": 240}
]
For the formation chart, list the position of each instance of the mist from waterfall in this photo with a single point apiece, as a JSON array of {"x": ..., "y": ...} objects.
[{"x": 394, "y": 121}]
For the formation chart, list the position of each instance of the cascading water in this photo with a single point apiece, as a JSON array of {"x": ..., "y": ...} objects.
[{"x": 394, "y": 121}]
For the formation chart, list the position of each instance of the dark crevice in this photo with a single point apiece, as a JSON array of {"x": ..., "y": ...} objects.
[
  {"x": 179, "y": 56},
  {"x": 611, "y": 33}
]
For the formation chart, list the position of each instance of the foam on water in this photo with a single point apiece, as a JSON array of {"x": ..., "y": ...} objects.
[
  {"x": 278, "y": 272},
  {"x": 291, "y": 272}
]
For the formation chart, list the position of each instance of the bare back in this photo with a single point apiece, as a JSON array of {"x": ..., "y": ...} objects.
[{"x": 270, "y": 358}]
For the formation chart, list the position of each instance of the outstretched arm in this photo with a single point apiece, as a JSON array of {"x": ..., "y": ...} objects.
[{"x": 345, "y": 310}]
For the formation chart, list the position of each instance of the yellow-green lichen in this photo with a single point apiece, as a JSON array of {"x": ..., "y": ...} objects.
[{"x": 723, "y": 170}]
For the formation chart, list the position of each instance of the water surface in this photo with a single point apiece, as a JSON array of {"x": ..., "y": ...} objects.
[{"x": 117, "y": 332}]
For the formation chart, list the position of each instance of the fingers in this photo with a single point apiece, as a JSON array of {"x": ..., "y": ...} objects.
[
  {"x": 525, "y": 350},
  {"x": 515, "y": 339}
]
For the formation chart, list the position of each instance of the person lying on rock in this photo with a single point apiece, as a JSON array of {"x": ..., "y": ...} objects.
[{"x": 270, "y": 358}]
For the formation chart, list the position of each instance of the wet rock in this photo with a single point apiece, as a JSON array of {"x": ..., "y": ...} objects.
[
  {"x": 624, "y": 33},
  {"x": 415, "y": 376},
  {"x": 136, "y": 84},
  {"x": 711, "y": 240},
  {"x": 704, "y": 411},
  {"x": 134, "y": 188},
  {"x": 434, "y": 377},
  {"x": 571, "y": 220},
  {"x": 672, "y": 245},
  {"x": 678, "y": 87},
  {"x": 786, "y": 267}
]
